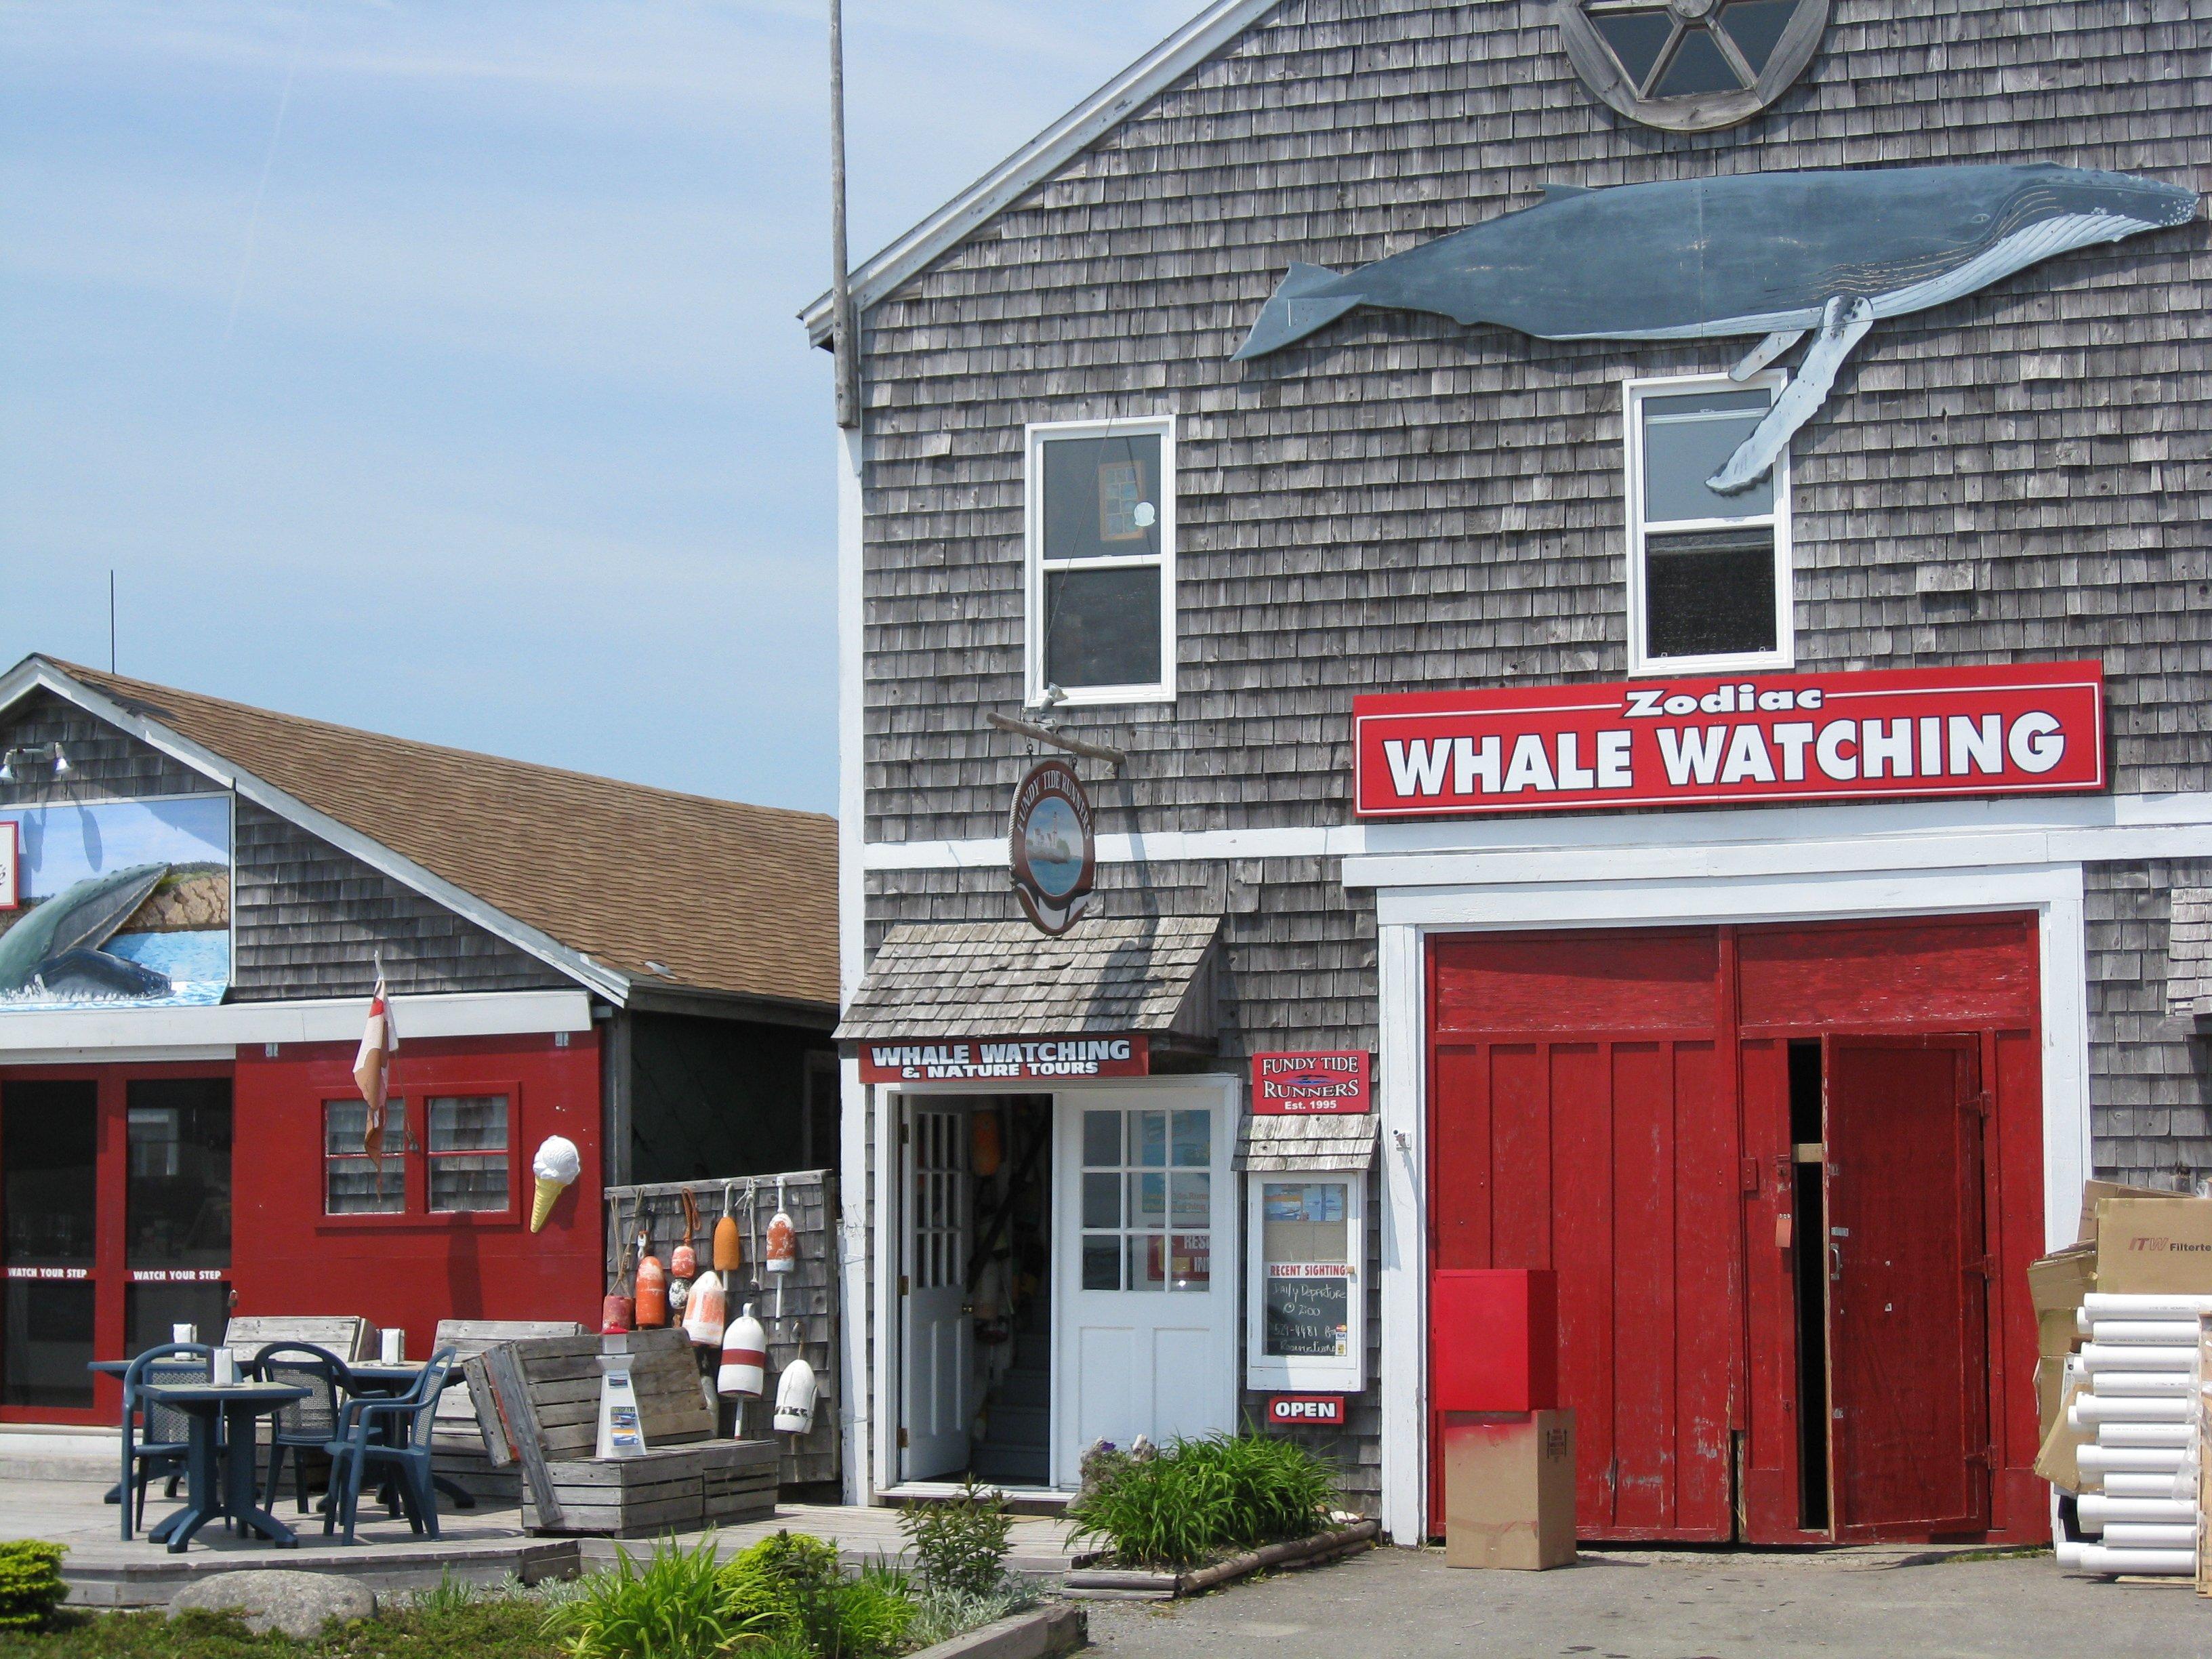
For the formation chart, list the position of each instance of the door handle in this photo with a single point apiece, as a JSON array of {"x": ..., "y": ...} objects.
[
  {"x": 1785, "y": 1231},
  {"x": 1836, "y": 1263}
]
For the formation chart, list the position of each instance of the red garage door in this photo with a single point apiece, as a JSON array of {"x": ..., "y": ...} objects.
[{"x": 1647, "y": 1113}]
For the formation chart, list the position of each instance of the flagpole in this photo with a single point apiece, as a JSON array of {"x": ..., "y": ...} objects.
[{"x": 844, "y": 347}]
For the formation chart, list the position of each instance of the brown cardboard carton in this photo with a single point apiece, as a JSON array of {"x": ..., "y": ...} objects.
[
  {"x": 2094, "y": 1193},
  {"x": 2055, "y": 1461},
  {"x": 2050, "y": 1379},
  {"x": 2155, "y": 1246},
  {"x": 1509, "y": 1490},
  {"x": 2056, "y": 1284}
]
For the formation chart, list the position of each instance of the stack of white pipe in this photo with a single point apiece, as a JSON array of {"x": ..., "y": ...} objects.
[{"x": 2139, "y": 1394}]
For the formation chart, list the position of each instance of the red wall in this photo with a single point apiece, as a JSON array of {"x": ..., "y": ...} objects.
[{"x": 288, "y": 1257}]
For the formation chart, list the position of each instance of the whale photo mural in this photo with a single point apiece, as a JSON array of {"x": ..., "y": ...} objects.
[
  {"x": 1778, "y": 254},
  {"x": 117, "y": 901}
]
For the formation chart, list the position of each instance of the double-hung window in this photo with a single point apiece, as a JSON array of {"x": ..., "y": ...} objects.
[
  {"x": 466, "y": 1165},
  {"x": 1101, "y": 563},
  {"x": 1708, "y": 574}
]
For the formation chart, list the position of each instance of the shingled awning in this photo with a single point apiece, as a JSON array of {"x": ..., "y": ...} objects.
[{"x": 1144, "y": 975}]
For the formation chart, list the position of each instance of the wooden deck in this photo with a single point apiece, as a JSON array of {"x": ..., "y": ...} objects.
[{"x": 484, "y": 1546}]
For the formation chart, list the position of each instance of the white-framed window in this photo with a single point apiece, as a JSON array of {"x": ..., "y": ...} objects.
[
  {"x": 1709, "y": 582},
  {"x": 1099, "y": 601},
  {"x": 1305, "y": 1299}
]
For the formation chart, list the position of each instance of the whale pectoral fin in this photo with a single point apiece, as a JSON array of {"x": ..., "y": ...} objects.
[
  {"x": 1843, "y": 323},
  {"x": 1765, "y": 352}
]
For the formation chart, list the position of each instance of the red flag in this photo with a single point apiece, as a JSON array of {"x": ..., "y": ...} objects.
[{"x": 380, "y": 1039}]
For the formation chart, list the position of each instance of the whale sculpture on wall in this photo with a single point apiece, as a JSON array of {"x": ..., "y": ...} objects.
[{"x": 1778, "y": 254}]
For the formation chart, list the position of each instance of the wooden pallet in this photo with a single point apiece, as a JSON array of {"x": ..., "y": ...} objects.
[{"x": 673, "y": 1489}]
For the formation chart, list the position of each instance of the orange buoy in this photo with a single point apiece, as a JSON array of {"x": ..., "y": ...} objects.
[
  {"x": 729, "y": 1244},
  {"x": 652, "y": 1288}
]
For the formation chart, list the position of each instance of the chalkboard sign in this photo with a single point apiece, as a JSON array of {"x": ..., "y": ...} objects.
[{"x": 1307, "y": 1316}]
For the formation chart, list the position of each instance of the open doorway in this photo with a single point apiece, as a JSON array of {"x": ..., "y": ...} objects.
[{"x": 975, "y": 1290}]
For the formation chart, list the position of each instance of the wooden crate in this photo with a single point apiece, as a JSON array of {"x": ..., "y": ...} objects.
[
  {"x": 671, "y": 1489},
  {"x": 457, "y": 1444}
]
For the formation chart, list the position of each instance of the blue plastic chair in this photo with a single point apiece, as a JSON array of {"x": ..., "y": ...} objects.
[
  {"x": 395, "y": 1434},
  {"x": 159, "y": 1451},
  {"x": 308, "y": 1425}
]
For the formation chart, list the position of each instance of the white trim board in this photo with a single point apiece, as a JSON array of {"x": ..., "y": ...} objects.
[
  {"x": 36, "y": 672},
  {"x": 73, "y": 1036},
  {"x": 1035, "y": 162},
  {"x": 857, "y": 1409},
  {"x": 1406, "y": 918}
]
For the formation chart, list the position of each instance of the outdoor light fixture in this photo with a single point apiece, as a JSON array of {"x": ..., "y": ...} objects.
[{"x": 33, "y": 752}]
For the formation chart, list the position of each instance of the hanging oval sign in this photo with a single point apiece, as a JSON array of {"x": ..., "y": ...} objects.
[{"x": 1054, "y": 852}]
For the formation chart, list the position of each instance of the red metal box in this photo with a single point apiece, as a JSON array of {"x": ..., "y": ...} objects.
[{"x": 1494, "y": 1338}]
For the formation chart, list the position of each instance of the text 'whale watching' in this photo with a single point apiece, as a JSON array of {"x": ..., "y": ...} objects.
[{"x": 2029, "y": 727}]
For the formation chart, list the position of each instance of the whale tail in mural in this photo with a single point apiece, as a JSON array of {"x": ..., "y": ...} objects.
[
  {"x": 1297, "y": 309},
  {"x": 56, "y": 947}
]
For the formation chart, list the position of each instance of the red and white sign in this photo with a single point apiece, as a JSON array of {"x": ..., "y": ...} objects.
[
  {"x": 2014, "y": 729},
  {"x": 1310, "y": 1081},
  {"x": 1291, "y": 1410},
  {"x": 1018, "y": 1059}
]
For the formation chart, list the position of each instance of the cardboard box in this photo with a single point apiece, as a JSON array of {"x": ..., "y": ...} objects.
[
  {"x": 2155, "y": 1246},
  {"x": 1509, "y": 1490},
  {"x": 2050, "y": 1380},
  {"x": 2055, "y": 1461},
  {"x": 2056, "y": 1284},
  {"x": 1494, "y": 1339},
  {"x": 2094, "y": 1193}
]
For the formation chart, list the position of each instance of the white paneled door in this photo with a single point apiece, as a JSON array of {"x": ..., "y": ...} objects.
[
  {"x": 1144, "y": 1261},
  {"x": 936, "y": 1329}
]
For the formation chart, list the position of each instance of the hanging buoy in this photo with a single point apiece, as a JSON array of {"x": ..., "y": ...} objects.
[
  {"x": 652, "y": 1287},
  {"x": 618, "y": 1314},
  {"x": 744, "y": 1357},
  {"x": 794, "y": 1399},
  {"x": 703, "y": 1316},
  {"x": 782, "y": 1253},
  {"x": 987, "y": 1150},
  {"x": 683, "y": 1259},
  {"x": 729, "y": 1248}
]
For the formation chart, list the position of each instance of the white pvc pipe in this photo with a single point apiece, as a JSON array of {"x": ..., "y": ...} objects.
[
  {"x": 2109, "y": 1305},
  {"x": 2108, "y": 1461},
  {"x": 2090, "y": 1409},
  {"x": 2124, "y": 1357},
  {"x": 2146, "y": 1333},
  {"x": 2135, "y": 1483},
  {"x": 2100, "y": 1509},
  {"x": 2179, "y": 1436},
  {"x": 2150, "y": 1535},
  {"x": 2152, "y": 1563},
  {"x": 2114, "y": 1385}
]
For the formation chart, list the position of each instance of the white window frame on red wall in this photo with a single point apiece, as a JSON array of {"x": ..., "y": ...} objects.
[
  {"x": 1634, "y": 393},
  {"x": 1305, "y": 1373},
  {"x": 1034, "y": 436}
]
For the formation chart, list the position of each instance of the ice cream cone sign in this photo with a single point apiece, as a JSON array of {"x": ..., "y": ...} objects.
[
  {"x": 555, "y": 1167},
  {"x": 372, "y": 1065}
]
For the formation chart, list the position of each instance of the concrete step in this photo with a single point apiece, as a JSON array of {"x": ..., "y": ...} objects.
[{"x": 37, "y": 1451}]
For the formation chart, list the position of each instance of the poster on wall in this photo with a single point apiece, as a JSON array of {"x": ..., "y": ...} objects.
[{"x": 121, "y": 902}]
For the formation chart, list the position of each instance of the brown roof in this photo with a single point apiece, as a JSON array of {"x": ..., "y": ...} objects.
[{"x": 727, "y": 897}]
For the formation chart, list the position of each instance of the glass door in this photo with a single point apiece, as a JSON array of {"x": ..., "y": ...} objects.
[
  {"x": 176, "y": 1208},
  {"x": 49, "y": 1174}
]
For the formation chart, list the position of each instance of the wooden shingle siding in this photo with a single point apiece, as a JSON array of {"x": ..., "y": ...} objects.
[
  {"x": 312, "y": 922},
  {"x": 2150, "y": 1077},
  {"x": 105, "y": 763}
]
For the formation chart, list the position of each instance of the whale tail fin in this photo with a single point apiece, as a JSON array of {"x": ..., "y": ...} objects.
[{"x": 1296, "y": 308}]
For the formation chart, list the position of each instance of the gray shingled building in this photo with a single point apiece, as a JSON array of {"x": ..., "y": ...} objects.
[{"x": 1658, "y": 1049}]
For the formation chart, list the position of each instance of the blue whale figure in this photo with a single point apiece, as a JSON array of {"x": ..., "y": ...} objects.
[{"x": 1780, "y": 254}]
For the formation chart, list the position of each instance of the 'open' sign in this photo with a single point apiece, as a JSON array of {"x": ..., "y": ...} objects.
[{"x": 1290, "y": 1410}]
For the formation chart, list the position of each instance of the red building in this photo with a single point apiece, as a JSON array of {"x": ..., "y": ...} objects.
[{"x": 196, "y": 899}]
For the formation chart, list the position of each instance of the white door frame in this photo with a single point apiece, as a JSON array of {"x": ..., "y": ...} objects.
[{"x": 1406, "y": 916}]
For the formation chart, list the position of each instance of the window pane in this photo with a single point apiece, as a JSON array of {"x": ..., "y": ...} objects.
[
  {"x": 1101, "y": 497},
  {"x": 1194, "y": 1139},
  {"x": 1148, "y": 1261},
  {"x": 1193, "y": 1199},
  {"x": 1102, "y": 1261},
  {"x": 469, "y": 1184},
  {"x": 1101, "y": 1140},
  {"x": 1148, "y": 1200},
  {"x": 1103, "y": 627},
  {"x": 152, "y": 1311},
  {"x": 345, "y": 1122},
  {"x": 1190, "y": 1261},
  {"x": 1637, "y": 39},
  {"x": 351, "y": 1184},
  {"x": 1756, "y": 28},
  {"x": 177, "y": 1201},
  {"x": 48, "y": 1137},
  {"x": 1698, "y": 67},
  {"x": 47, "y": 1344},
  {"x": 1709, "y": 594},
  {"x": 1686, "y": 438},
  {"x": 1101, "y": 1200},
  {"x": 1151, "y": 1139},
  {"x": 474, "y": 1123}
]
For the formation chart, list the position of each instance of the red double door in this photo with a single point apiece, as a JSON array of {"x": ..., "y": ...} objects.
[{"x": 1790, "y": 1179}]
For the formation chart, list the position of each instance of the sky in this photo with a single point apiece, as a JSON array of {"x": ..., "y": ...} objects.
[{"x": 432, "y": 367}]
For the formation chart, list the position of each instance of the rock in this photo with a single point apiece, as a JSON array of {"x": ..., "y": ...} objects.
[{"x": 293, "y": 1604}]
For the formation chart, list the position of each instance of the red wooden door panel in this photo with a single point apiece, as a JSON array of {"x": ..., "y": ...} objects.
[{"x": 1909, "y": 1433}]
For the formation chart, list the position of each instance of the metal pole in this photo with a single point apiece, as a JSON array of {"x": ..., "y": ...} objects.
[{"x": 843, "y": 342}]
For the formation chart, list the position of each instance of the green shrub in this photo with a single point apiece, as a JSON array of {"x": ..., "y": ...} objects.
[
  {"x": 31, "y": 1585},
  {"x": 960, "y": 1545},
  {"x": 1201, "y": 1497},
  {"x": 677, "y": 1608},
  {"x": 941, "y": 1614},
  {"x": 789, "y": 1591},
  {"x": 874, "y": 1612}
]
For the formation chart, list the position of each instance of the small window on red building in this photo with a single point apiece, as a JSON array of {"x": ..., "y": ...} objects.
[
  {"x": 467, "y": 1153},
  {"x": 352, "y": 1184}
]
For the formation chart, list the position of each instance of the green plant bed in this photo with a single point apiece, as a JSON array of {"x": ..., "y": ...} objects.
[
  {"x": 493, "y": 1627},
  {"x": 1200, "y": 1500}
]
